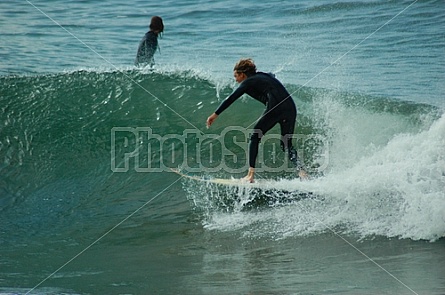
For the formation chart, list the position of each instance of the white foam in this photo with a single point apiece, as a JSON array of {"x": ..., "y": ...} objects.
[{"x": 396, "y": 191}]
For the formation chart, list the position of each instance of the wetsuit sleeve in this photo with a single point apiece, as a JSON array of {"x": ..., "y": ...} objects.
[
  {"x": 229, "y": 100},
  {"x": 147, "y": 49},
  {"x": 140, "y": 52},
  {"x": 151, "y": 44}
]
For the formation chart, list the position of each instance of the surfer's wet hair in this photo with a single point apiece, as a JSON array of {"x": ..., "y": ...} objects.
[
  {"x": 246, "y": 66},
  {"x": 157, "y": 24}
]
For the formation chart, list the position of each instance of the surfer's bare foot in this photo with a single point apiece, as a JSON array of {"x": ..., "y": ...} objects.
[
  {"x": 250, "y": 175},
  {"x": 303, "y": 175},
  {"x": 248, "y": 179}
]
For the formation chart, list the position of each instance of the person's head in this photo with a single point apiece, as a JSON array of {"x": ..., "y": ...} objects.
[
  {"x": 243, "y": 69},
  {"x": 156, "y": 24}
]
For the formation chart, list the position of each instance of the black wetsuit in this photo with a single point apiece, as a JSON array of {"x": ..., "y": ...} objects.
[
  {"x": 280, "y": 108},
  {"x": 147, "y": 48}
]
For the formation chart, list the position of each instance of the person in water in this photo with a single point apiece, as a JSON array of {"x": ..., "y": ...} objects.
[
  {"x": 280, "y": 109},
  {"x": 149, "y": 43}
]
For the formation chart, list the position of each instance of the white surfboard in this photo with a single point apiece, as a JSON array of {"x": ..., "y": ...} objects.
[
  {"x": 224, "y": 181},
  {"x": 265, "y": 192}
]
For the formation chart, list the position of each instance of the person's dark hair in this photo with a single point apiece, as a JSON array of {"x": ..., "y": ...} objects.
[
  {"x": 246, "y": 66},
  {"x": 156, "y": 24}
]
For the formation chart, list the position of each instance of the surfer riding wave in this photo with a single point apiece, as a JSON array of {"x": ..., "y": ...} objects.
[{"x": 280, "y": 109}]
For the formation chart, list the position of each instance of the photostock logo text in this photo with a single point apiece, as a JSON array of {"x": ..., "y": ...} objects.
[{"x": 197, "y": 152}]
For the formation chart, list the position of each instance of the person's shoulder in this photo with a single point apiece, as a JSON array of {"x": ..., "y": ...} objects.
[
  {"x": 148, "y": 35},
  {"x": 259, "y": 77},
  {"x": 151, "y": 38},
  {"x": 264, "y": 74}
]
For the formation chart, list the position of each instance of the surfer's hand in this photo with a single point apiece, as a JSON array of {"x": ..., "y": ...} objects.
[{"x": 211, "y": 119}]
